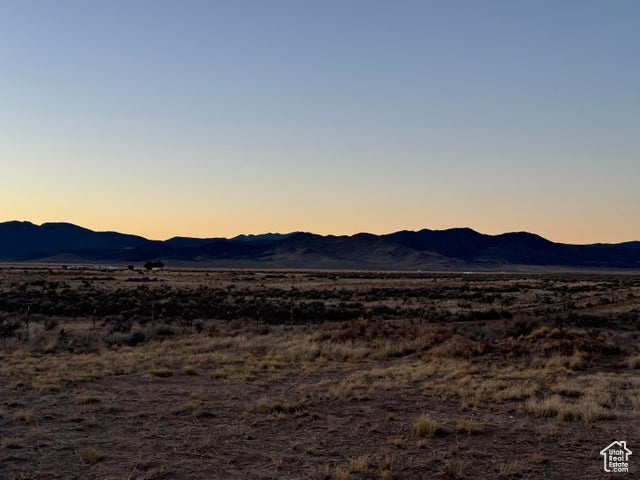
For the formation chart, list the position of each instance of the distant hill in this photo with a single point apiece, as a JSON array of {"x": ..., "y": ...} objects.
[
  {"x": 457, "y": 248},
  {"x": 26, "y": 241}
]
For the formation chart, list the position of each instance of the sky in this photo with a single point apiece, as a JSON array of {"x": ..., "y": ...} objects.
[{"x": 213, "y": 118}]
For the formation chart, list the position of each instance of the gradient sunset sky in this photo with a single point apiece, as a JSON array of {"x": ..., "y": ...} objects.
[{"x": 214, "y": 118}]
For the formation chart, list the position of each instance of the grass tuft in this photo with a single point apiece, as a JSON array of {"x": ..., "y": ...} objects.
[
  {"x": 425, "y": 426},
  {"x": 454, "y": 469},
  {"x": 341, "y": 473},
  {"x": 466, "y": 425},
  {"x": 27, "y": 416},
  {"x": 359, "y": 465},
  {"x": 86, "y": 398},
  {"x": 161, "y": 372},
  {"x": 11, "y": 443},
  {"x": 90, "y": 455},
  {"x": 267, "y": 406}
]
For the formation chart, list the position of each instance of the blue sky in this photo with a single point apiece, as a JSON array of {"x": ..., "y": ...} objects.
[{"x": 213, "y": 118}]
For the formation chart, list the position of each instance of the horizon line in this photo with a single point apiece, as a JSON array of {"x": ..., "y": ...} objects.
[{"x": 313, "y": 233}]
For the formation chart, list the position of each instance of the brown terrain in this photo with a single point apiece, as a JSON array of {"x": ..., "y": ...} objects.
[{"x": 233, "y": 374}]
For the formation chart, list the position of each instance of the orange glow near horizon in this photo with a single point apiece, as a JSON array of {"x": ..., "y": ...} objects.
[
  {"x": 159, "y": 226},
  {"x": 518, "y": 117}
]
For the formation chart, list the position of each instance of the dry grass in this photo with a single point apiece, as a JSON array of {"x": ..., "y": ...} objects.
[
  {"x": 352, "y": 387},
  {"x": 86, "y": 398},
  {"x": 633, "y": 361},
  {"x": 11, "y": 443},
  {"x": 468, "y": 426},
  {"x": 518, "y": 391},
  {"x": 222, "y": 373},
  {"x": 587, "y": 410},
  {"x": 465, "y": 373},
  {"x": 90, "y": 455},
  {"x": 520, "y": 467},
  {"x": 454, "y": 469},
  {"x": 576, "y": 361},
  {"x": 27, "y": 416},
  {"x": 341, "y": 473},
  {"x": 425, "y": 426},
  {"x": 422, "y": 444},
  {"x": 242, "y": 357},
  {"x": 363, "y": 466},
  {"x": 267, "y": 405},
  {"x": 398, "y": 442},
  {"x": 161, "y": 372},
  {"x": 359, "y": 465},
  {"x": 194, "y": 403},
  {"x": 190, "y": 406}
]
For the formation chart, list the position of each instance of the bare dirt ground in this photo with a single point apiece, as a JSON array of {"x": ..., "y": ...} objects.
[{"x": 416, "y": 377}]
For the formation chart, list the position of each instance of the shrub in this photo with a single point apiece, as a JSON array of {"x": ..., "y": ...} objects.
[
  {"x": 90, "y": 455},
  {"x": 166, "y": 330},
  {"x": 135, "y": 338},
  {"x": 85, "y": 398},
  {"x": 466, "y": 425},
  {"x": 266, "y": 405},
  {"x": 359, "y": 465},
  {"x": 11, "y": 443},
  {"x": 454, "y": 469},
  {"x": 161, "y": 372},
  {"x": 425, "y": 426},
  {"x": 397, "y": 442},
  {"x": 633, "y": 362},
  {"x": 587, "y": 410},
  {"x": 27, "y": 416},
  {"x": 341, "y": 474},
  {"x": 50, "y": 323},
  {"x": 8, "y": 327}
]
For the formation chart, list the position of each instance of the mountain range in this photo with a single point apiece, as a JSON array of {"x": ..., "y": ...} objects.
[{"x": 453, "y": 249}]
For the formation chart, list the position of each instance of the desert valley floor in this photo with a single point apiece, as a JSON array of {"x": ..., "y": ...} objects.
[{"x": 235, "y": 374}]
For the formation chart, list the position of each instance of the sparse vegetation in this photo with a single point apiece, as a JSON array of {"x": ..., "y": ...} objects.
[
  {"x": 467, "y": 425},
  {"x": 86, "y": 398},
  {"x": 587, "y": 410},
  {"x": 398, "y": 442},
  {"x": 161, "y": 372},
  {"x": 90, "y": 455},
  {"x": 454, "y": 469},
  {"x": 287, "y": 365},
  {"x": 633, "y": 362},
  {"x": 425, "y": 426},
  {"x": 359, "y": 465},
  {"x": 11, "y": 443},
  {"x": 341, "y": 473},
  {"x": 26, "y": 415},
  {"x": 267, "y": 405}
]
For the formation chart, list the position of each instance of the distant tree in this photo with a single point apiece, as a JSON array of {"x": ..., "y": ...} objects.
[
  {"x": 157, "y": 264},
  {"x": 8, "y": 327},
  {"x": 130, "y": 267}
]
